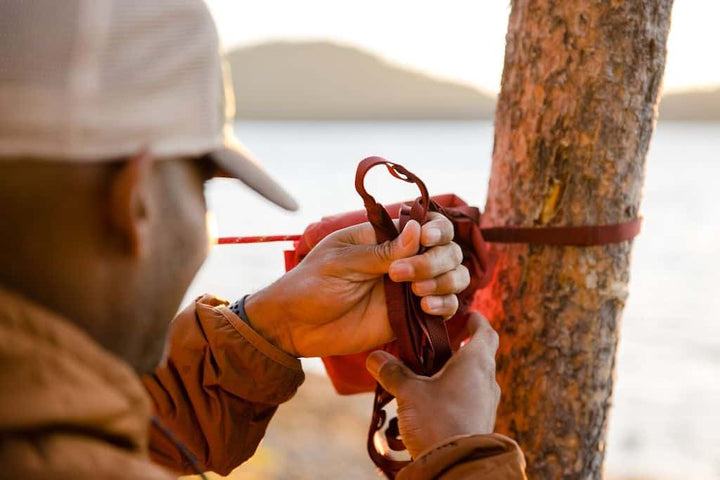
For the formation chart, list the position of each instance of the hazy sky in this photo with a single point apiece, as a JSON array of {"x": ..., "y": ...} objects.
[{"x": 457, "y": 39}]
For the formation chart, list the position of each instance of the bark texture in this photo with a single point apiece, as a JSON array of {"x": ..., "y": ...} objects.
[{"x": 574, "y": 120}]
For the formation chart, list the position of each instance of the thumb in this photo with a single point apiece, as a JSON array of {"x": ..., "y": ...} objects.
[
  {"x": 388, "y": 371},
  {"x": 475, "y": 322},
  {"x": 365, "y": 255},
  {"x": 404, "y": 245}
]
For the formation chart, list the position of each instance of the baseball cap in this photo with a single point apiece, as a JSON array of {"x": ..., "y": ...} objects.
[{"x": 96, "y": 80}]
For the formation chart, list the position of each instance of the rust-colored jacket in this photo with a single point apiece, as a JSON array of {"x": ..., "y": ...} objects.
[{"x": 69, "y": 409}]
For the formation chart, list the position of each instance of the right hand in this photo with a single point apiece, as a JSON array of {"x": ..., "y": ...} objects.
[
  {"x": 333, "y": 302},
  {"x": 461, "y": 399}
]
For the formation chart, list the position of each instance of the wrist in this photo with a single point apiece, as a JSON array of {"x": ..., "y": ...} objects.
[
  {"x": 238, "y": 308},
  {"x": 447, "y": 425},
  {"x": 430, "y": 447},
  {"x": 264, "y": 313}
]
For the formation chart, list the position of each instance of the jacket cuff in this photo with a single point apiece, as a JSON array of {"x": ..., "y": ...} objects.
[
  {"x": 259, "y": 342},
  {"x": 468, "y": 456},
  {"x": 251, "y": 367}
]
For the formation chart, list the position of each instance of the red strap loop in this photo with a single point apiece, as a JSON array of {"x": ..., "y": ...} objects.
[{"x": 397, "y": 171}]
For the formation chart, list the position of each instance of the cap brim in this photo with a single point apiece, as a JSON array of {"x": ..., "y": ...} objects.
[{"x": 235, "y": 161}]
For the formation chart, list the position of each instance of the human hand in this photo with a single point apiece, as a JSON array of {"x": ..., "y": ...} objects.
[
  {"x": 461, "y": 399},
  {"x": 333, "y": 302}
]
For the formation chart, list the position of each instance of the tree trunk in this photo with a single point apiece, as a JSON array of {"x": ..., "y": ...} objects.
[{"x": 572, "y": 128}]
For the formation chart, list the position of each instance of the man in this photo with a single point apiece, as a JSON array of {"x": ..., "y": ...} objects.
[{"x": 111, "y": 119}]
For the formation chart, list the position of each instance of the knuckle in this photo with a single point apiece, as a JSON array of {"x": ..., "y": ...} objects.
[
  {"x": 450, "y": 283},
  {"x": 405, "y": 390},
  {"x": 448, "y": 311},
  {"x": 456, "y": 253},
  {"x": 441, "y": 285},
  {"x": 464, "y": 274},
  {"x": 446, "y": 226},
  {"x": 497, "y": 392},
  {"x": 392, "y": 372},
  {"x": 438, "y": 217},
  {"x": 383, "y": 251},
  {"x": 493, "y": 340},
  {"x": 489, "y": 367},
  {"x": 461, "y": 279},
  {"x": 452, "y": 304},
  {"x": 423, "y": 264},
  {"x": 390, "y": 369},
  {"x": 438, "y": 260}
]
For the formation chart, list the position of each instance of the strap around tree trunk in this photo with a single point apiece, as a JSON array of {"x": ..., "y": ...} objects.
[{"x": 582, "y": 236}]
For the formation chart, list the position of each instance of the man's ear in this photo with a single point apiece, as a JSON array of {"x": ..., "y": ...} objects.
[{"x": 129, "y": 202}]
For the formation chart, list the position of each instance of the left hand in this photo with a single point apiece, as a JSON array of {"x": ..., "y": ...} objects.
[
  {"x": 333, "y": 302},
  {"x": 429, "y": 409}
]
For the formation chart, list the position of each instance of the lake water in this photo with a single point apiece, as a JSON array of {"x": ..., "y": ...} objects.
[{"x": 665, "y": 420}]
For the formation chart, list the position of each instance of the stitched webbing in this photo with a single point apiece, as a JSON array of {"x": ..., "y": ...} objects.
[{"x": 422, "y": 340}]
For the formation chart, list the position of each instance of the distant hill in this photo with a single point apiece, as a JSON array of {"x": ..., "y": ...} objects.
[
  {"x": 321, "y": 80},
  {"x": 700, "y": 105},
  {"x": 326, "y": 81}
]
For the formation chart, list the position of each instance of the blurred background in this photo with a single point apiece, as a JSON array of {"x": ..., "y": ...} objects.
[{"x": 320, "y": 85}]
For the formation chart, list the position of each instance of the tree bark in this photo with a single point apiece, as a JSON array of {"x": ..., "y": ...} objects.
[{"x": 573, "y": 123}]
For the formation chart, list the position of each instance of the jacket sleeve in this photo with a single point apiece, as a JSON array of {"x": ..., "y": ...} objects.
[
  {"x": 486, "y": 457},
  {"x": 217, "y": 388}
]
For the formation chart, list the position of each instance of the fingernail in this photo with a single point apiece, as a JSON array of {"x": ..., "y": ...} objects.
[
  {"x": 405, "y": 237},
  {"x": 434, "y": 303},
  {"x": 374, "y": 361},
  {"x": 400, "y": 271},
  {"x": 425, "y": 287},
  {"x": 432, "y": 236}
]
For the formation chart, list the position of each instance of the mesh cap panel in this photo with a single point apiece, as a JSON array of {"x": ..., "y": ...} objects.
[
  {"x": 104, "y": 78},
  {"x": 94, "y": 80},
  {"x": 26, "y": 56}
]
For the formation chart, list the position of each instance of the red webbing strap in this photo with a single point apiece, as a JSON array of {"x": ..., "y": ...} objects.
[
  {"x": 582, "y": 236},
  {"x": 422, "y": 340}
]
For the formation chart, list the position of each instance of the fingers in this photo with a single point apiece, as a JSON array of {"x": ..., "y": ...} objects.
[
  {"x": 388, "y": 371},
  {"x": 398, "y": 257},
  {"x": 437, "y": 231},
  {"x": 405, "y": 245},
  {"x": 454, "y": 281},
  {"x": 371, "y": 258},
  {"x": 434, "y": 262},
  {"x": 444, "y": 306}
]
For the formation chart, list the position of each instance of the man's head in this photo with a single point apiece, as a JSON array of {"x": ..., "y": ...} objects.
[
  {"x": 112, "y": 246},
  {"x": 112, "y": 116}
]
